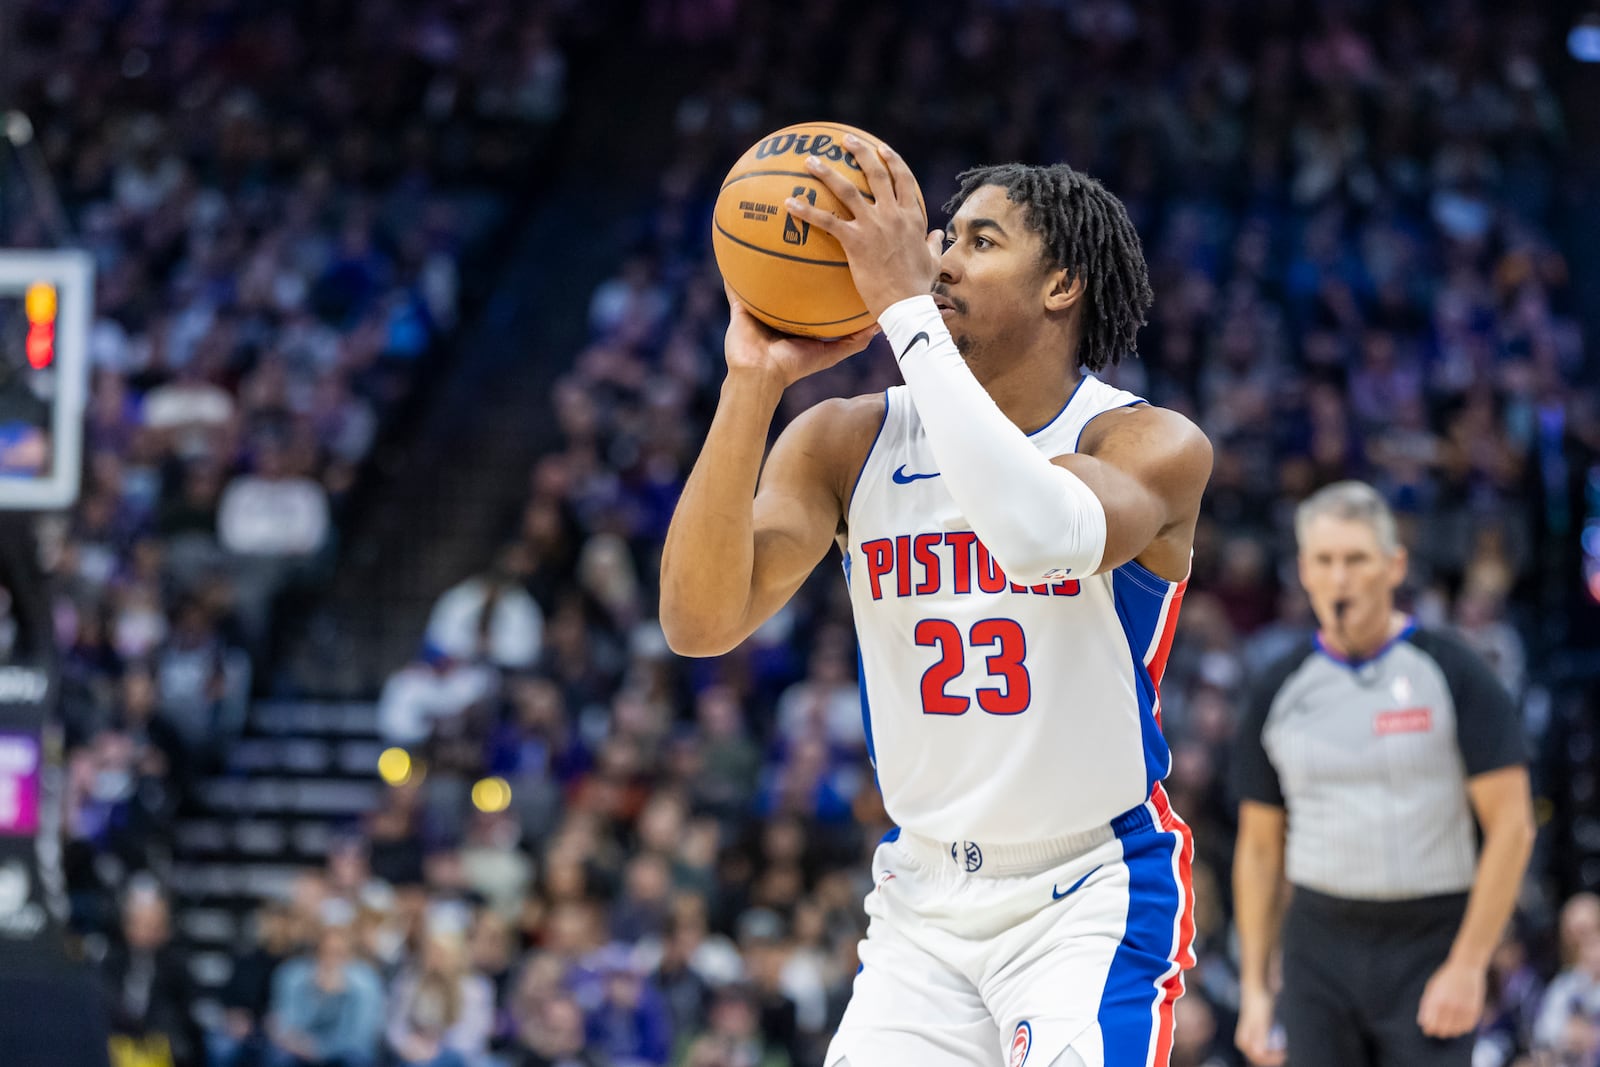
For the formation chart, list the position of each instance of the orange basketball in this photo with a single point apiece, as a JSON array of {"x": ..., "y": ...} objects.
[{"x": 788, "y": 273}]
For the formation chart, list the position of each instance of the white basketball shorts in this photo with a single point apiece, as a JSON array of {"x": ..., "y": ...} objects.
[{"x": 1010, "y": 955}]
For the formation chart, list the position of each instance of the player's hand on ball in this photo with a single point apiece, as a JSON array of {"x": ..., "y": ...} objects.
[
  {"x": 892, "y": 255},
  {"x": 782, "y": 358}
]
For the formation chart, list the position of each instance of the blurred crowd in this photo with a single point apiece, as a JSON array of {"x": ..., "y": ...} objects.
[
  {"x": 1349, "y": 213},
  {"x": 281, "y": 202}
]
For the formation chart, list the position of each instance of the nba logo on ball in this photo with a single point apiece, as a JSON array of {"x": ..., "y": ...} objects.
[{"x": 1021, "y": 1042}]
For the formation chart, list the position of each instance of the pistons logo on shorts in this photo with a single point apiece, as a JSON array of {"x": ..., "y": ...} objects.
[
  {"x": 967, "y": 854},
  {"x": 1021, "y": 1043}
]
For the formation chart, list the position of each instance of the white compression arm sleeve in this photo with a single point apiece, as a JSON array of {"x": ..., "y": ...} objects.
[{"x": 1036, "y": 519}]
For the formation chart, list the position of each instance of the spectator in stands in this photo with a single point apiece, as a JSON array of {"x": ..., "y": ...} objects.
[
  {"x": 327, "y": 1008},
  {"x": 1350, "y": 219},
  {"x": 553, "y": 1036},
  {"x": 435, "y": 686},
  {"x": 629, "y": 1025},
  {"x": 537, "y": 751},
  {"x": 735, "y": 1035},
  {"x": 147, "y": 982},
  {"x": 490, "y": 618},
  {"x": 827, "y": 702},
  {"x": 160, "y": 750},
  {"x": 763, "y": 942},
  {"x": 106, "y": 808},
  {"x": 441, "y": 1012},
  {"x": 1195, "y": 1042},
  {"x": 1569, "y": 1021},
  {"x": 492, "y": 949},
  {"x": 273, "y": 512},
  {"x": 493, "y": 864},
  {"x": 203, "y": 682},
  {"x": 395, "y": 832},
  {"x": 240, "y": 1040},
  {"x": 272, "y": 523},
  {"x": 1516, "y": 991},
  {"x": 731, "y": 759}
]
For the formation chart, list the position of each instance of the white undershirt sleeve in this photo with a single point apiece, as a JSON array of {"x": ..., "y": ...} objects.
[{"x": 1039, "y": 521}]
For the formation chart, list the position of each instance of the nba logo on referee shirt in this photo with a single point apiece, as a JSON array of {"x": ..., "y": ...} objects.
[
  {"x": 1021, "y": 1043},
  {"x": 968, "y": 854}
]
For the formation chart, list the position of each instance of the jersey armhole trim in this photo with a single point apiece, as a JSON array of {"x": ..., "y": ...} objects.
[
  {"x": 1149, "y": 580},
  {"x": 848, "y": 504},
  {"x": 1130, "y": 404}
]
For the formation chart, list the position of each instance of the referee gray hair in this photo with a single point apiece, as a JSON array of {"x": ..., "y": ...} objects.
[{"x": 1353, "y": 502}]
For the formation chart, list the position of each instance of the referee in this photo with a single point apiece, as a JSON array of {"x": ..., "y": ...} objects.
[{"x": 1362, "y": 761}]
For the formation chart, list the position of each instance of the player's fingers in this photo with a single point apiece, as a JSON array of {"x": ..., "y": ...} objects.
[
  {"x": 869, "y": 157},
  {"x": 899, "y": 173},
  {"x": 735, "y": 305},
  {"x": 838, "y": 185},
  {"x": 826, "y": 221}
]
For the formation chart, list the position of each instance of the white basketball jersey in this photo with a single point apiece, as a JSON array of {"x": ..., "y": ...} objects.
[{"x": 996, "y": 712}]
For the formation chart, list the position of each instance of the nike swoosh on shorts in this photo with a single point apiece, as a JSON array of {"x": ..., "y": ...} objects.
[{"x": 1056, "y": 894}]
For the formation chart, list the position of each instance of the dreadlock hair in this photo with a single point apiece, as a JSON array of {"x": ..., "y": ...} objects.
[{"x": 1087, "y": 231}]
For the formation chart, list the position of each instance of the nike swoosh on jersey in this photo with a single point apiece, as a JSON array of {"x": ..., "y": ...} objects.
[
  {"x": 921, "y": 335},
  {"x": 1057, "y": 894},
  {"x": 900, "y": 477}
]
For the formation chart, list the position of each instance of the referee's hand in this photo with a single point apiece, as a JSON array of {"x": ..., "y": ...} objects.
[
  {"x": 1254, "y": 1034},
  {"x": 1452, "y": 1001}
]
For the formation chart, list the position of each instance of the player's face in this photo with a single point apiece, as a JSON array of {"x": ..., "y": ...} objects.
[
  {"x": 1342, "y": 562},
  {"x": 993, "y": 278}
]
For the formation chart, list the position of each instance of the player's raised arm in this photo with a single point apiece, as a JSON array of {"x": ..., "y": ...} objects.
[
  {"x": 1075, "y": 516},
  {"x": 1147, "y": 467},
  {"x": 1141, "y": 475},
  {"x": 733, "y": 556}
]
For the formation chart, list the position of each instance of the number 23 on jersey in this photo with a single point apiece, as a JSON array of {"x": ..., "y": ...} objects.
[{"x": 1004, "y": 646}]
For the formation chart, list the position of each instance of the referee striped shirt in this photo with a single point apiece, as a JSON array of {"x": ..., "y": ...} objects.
[{"x": 1370, "y": 761}]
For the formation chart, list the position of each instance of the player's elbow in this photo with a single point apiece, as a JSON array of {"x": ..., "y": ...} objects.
[
  {"x": 694, "y": 645},
  {"x": 693, "y": 635},
  {"x": 1062, "y": 534},
  {"x": 1032, "y": 564},
  {"x": 1045, "y": 552}
]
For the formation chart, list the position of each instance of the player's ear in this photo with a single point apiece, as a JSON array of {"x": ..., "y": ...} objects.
[{"x": 1065, "y": 290}]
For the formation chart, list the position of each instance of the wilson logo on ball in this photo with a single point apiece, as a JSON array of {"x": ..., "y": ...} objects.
[{"x": 805, "y": 144}]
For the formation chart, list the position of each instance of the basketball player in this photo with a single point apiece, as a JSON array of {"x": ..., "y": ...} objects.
[{"x": 1016, "y": 538}]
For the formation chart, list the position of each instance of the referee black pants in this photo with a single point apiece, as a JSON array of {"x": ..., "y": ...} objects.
[{"x": 1353, "y": 974}]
